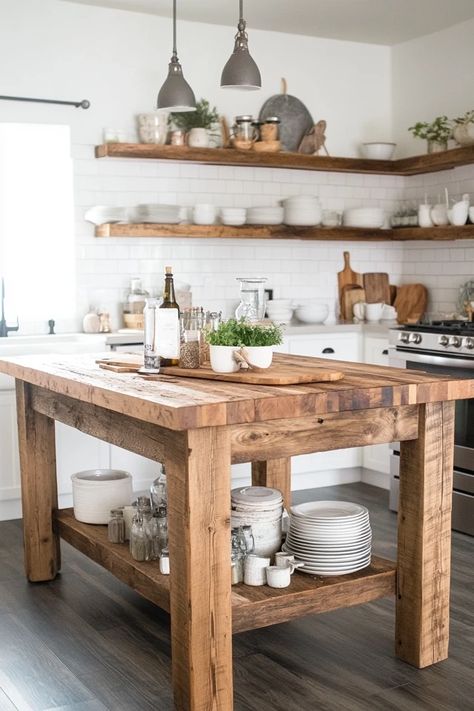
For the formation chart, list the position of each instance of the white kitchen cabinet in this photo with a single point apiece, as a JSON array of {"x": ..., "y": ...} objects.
[{"x": 376, "y": 456}]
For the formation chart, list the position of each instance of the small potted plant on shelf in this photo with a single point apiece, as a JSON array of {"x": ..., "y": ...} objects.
[
  {"x": 196, "y": 124},
  {"x": 437, "y": 133},
  {"x": 463, "y": 131},
  {"x": 235, "y": 342}
]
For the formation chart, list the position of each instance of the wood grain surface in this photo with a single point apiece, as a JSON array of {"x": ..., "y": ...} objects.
[
  {"x": 350, "y": 295},
  {"x": 377, "y": 288},
  {"x": 424, "y": 538},
  {"x": 410, "y": 302},
  {"x": 275, "y": 473},
  {"x": 179, "y": 403}
]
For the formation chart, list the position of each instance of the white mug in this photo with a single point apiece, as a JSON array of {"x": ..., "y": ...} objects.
[
  {"x": 277, "y": 576},
  {"x": 389, "y": 312},
  {"x": 282, "y": 559},
  {"x": 424, "y": 216},
  {"x": 369, "y": 312},
  {"x": 254, "y": 570},
  {"x": 204, "y": 214}
]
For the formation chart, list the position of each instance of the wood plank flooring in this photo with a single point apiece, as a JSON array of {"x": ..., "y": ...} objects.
[{"x": 86, "y": 642}]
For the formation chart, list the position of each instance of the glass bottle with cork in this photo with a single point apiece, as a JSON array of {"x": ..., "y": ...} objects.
[{"x": 167, "y": 324}]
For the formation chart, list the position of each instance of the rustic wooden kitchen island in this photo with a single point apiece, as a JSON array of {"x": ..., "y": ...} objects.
[{"x": 197, "y": 428}]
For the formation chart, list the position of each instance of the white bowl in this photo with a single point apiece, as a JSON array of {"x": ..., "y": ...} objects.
[
  {"x": 280, "y": 303},
  {"x": 378, "y": 151},
  {"x": 312, "y": 313},
  {"x": 96, "y": 492}
]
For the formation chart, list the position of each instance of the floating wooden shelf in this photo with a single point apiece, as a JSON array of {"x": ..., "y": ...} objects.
[
  {"x": 428, "y": 163},
  {"x": 251, "y": 607},
  {"x": 339, "y": 234}
]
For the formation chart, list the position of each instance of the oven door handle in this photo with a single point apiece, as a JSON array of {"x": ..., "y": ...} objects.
[{"x": 400, "y": 356}]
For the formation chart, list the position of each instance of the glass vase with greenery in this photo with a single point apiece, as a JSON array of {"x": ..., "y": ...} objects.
[
  {"x": 437, "y": 133},
  {"x": 203, "y": 117}
]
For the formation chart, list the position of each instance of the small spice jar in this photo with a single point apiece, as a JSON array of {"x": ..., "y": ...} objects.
[
  {"x": 189, "y": 351},
  {"x": 116, "y": 527},
  {"x": 270, "y": 130}
]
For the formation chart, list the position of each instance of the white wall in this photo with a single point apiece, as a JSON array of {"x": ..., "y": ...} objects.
[
  {"x": 119, "y": 59},
  {"x": 431, "y": 76}
]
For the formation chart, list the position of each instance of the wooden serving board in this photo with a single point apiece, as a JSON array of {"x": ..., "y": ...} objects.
[
  {"x": 347, "y": 277},
  {"x": 410, "y": 302},
  {"x": 377, "y": 287},
  {"x": 277, "y": 374},
  {"x": 274, "y": 375},
  {"x": 351, "y": 295}
]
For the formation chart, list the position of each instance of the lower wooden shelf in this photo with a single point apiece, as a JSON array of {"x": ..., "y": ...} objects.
[
  {"x": 251, "y": 607},
  {"x": 340, "y": 234}
]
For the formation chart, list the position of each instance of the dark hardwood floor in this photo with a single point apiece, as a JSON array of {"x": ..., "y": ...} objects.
[{"x": 85, "y": 642}]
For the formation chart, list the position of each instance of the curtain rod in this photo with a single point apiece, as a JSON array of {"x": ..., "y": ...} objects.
[{"x": 84, "y": 104}]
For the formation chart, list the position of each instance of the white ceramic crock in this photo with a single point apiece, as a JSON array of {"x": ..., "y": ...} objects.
[{"x": 198, "y": 138}]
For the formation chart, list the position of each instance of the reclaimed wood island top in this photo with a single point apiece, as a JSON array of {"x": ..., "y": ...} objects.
[{"x": 198, "y": 428}]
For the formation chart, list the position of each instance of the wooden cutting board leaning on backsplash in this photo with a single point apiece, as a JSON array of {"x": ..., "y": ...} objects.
[
  {"x": 351, "y": 294},
  {"x": 347, "y": 278},
  {"x": 410, "y": 302},
  {"x": 377, "y": 288}
]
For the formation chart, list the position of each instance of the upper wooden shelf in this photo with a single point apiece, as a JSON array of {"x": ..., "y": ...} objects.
[
  {"x": 428, "y": 163},
  {"x": 339, "y": 234}
]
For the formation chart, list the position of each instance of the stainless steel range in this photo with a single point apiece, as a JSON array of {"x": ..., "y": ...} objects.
[{"x": 445, "y": 348}]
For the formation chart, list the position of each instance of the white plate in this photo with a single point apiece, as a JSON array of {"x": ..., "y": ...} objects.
[
  {"x": 328, "y": 545},
  {"x": 327, "y": 532},
  {"x": 318, "y": 510},
  {"x": 332, "y": 573}
]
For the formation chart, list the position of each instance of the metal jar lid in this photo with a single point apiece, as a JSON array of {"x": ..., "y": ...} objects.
[
  {"x": 272, "y": 119},
  {"x": 245, "y": 118}
]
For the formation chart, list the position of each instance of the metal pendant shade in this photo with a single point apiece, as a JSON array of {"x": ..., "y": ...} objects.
[
  {"x": 176, "y": 94},
  {"x": 241, "y": 71}
]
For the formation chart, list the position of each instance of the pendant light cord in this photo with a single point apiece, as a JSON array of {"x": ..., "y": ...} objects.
[
  {"x": 242, "y": 23},
  {"x": 175, "y": 51}
]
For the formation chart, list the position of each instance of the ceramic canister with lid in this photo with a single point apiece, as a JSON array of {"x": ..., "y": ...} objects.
[{"x": 261, "y": 508}]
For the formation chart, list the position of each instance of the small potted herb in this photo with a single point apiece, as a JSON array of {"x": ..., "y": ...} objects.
[
  {"x": 437, "y": 133},
  {"x": 196, "y": 123},
  {"x": 253, "y": 341},
  {"x": 463, "y": 132}
]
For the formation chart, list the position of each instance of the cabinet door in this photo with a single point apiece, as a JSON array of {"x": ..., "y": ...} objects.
[
  {"x": 333, "y": 346},
  {"x": 376, "y": 350},
  {"x": 9, "y": 457}
]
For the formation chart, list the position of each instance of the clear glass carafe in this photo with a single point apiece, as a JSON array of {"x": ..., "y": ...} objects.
[{"x": 252, "y": 298}]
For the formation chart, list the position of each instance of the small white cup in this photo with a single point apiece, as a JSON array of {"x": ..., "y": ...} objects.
[
  {"x": 389, "y": 312},
  {"x": 204, "y": 214},
  {"x": 424, "y": 216},
  {"x": 254, "y": 570},
  {"x": 282, "y": 559},
  {"x": 369, "y": 312},
  {"x": 278, "y": 576}
]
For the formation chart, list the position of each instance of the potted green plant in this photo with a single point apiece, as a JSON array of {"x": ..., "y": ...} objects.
[
  {"x": 196, "y": 123},
  {"x": 463, "y": 131},
  {"x": 437, "y": 133},
  {"x": 251, "y": 341}
]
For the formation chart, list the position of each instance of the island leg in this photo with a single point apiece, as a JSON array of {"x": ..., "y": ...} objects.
[
  {"x": 424, "y": 538},
  {"x": 275, "y": 473},
  {"x": 198, "y": 474},
  {"x": 38, "y": 488}
]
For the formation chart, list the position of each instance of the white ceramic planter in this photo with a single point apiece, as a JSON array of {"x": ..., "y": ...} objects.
[
  {"x": 260, "y": 356},
  {"x": 198, "y": 138},
  {"x": 222, "y": 359},
  {"x": 97, "y": 491},
  {"x": 464, "y": 134}
]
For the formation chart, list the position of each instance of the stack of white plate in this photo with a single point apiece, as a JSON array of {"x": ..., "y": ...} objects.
[
  {"x": 302, "y": 211},
  {"x": 233, "y": 215},
  {"x": 280, "y": 310},
  {"x": 101, "y": 215},
  {"x": 264, "y": 215},
  {"x": 261, "y": 508},
  {"x": 330, "y": 537},
  {"x": 164, "y": 214},
  {"x": 368, "y": 217}
]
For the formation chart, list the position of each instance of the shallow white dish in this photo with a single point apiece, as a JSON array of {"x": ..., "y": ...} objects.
[
  {"x": 101, "y": 215},
  {"x": 317, "y": 510},
  {"x": 312, "y": 313}
]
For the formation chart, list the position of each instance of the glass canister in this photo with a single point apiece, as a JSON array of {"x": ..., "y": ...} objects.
[
  {"x": 151, "y": 358},
  {"x": 134, "y": 303},
  {"x": 116, "y": 527},
  {"x": 270, "y": 131},
  {"x": 252, "y": 298},
  {"x": 243, "y": 128}
]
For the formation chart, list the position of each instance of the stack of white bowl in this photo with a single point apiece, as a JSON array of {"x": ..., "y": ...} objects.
[
  {"x": 302, "y": 211},
  {"x": 279, "y": 310},
  {"x": 233, "y": 215},
  {"x": 101, "y": 214},
  {"x": 96, "y": 492},
  {"x": 312, "y": 312},
  {"x": 264, "y": 215},
  {"x": 368, "y": 217},
  {"x": 164, "y": 214},
  {"x": 261, "y": 508}
]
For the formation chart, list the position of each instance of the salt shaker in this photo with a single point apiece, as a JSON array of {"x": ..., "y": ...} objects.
[{"x": 116, "y": 527}]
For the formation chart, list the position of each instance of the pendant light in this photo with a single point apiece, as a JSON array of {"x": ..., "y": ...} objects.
[
  {"x": 176, "y": 94},
  {"x": 241, "y": 72}
]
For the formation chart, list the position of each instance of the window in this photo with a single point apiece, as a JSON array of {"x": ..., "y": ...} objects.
[{"x": 36, "y": 223}]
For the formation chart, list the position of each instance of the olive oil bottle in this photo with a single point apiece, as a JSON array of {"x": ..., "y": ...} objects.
[{"x": 167, "y": 324}]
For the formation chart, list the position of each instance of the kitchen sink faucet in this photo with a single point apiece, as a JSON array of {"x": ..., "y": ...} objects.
[{"x": 4, "y": 329}]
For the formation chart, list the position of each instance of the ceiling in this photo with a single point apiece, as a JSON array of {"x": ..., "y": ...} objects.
[{"x": 373, "y": 21}]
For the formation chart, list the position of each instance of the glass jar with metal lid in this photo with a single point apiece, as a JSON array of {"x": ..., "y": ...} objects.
[{"x": 270, "y": 131}]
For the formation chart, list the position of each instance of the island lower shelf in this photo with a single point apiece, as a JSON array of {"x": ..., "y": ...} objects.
[{"x": 252, "y": 607}]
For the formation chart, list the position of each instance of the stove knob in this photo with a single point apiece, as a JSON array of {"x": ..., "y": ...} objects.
[
  {"x": 415, "y": 338},
  {"x": 443, "y": 341},
  {"x": 403, "y": 337},
  {"x": 469, "y": 343},
  {"x": 455, "y": 341}
]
